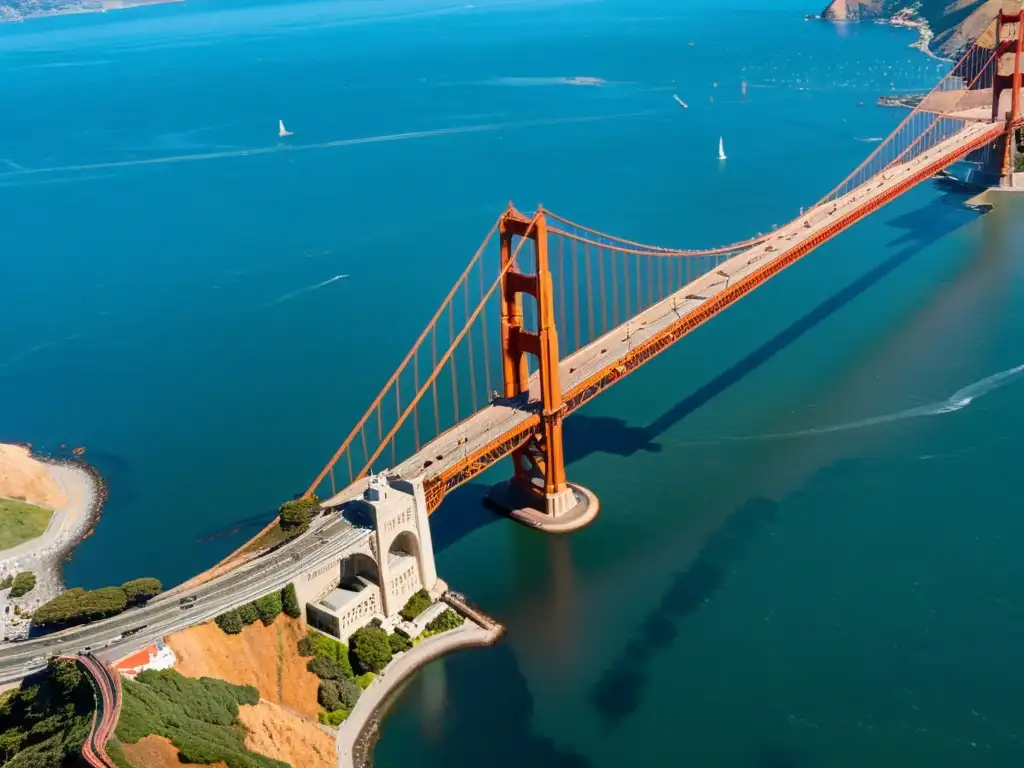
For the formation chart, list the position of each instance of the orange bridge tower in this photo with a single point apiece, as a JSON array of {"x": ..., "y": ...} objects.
[{"x": 538, "y": 493}]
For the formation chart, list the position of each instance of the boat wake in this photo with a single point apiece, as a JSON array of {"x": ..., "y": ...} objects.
[
  {"x": 301, "y": 291},
  {"x": 869, "y": 139},
  {"x": 957, "y": 401},
  {"x": 284, "y": 147}
]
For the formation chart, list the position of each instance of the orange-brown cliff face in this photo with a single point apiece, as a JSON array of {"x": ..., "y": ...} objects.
[{"x": 283, "y": 725}]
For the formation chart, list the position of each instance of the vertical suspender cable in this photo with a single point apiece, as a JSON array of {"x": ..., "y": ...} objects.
[
  {"x": 483, "y": 330},
  {"x": 454, "y": 360},
  {"x": 590, "y": 292},
  {"x": 600, "y": 284},
  {"x": 575, "y": 296},
  {"x": 472, "y": 363}
]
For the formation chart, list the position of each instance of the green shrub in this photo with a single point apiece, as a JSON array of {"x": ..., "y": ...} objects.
[
  {"x": 364, "y": 680},
  {"x": 333, "y": 719},
  {"x": 329, "y": 648},
  {"x": 290, "y": 601},
  {"x": 76, "y": 606},
  {"x": 230, "y": 622},
  {"x": 295, "y": 516},
  {"x": 269, "y": 607},
  {"x": 447, "y": 620},
  {"x": 23, "y": 583},
  {"x": 305, "y": 646},
  {"x": 348, "y": 694},
  {"x": 370, "y": 649},
  {"x": 248, "y": 613},
  {"x": 199, "y": 716},
  {"x": 338, "y": 694},
  {"x": 415, "y": 605},
  {"x": 140, "y": 590},
  {"x": 328, "y": 693},
  {"x": 398, "y": 643},
  {"x": 7, "y": 581},
  {"x": 325, "y": 669}
]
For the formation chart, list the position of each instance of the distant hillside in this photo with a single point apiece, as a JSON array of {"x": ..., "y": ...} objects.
[{"x": 953, "y": 23}]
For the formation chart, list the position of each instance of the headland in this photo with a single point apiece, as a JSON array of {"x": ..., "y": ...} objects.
[
  {"x": 75, "y": 492},
  {"x": 20, "y": 10}
]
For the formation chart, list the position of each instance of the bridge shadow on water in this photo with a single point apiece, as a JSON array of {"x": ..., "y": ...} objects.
[
  {"x": 587, "y": 434},
  {"x": 618, "y": 693}
]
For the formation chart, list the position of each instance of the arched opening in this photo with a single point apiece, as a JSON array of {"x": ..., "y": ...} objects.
[
  {"x": 405, "y": 544},
  {"x": 405, "y": 575},
  {"x": 358, "y": 568}
]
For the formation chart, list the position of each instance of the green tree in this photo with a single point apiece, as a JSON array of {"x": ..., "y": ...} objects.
[
  {"x": 325, "y": 668},
  {"x": 140, "y": 590},
  {"x": 230, "y": 622},
  {"x": 290, "y": 601},
  {"x": 23, "y": 583},
  {"x": 328, "y": 693},
  {"x": 370, "y": 649},
  {"x": 248, "y": 613},
  {"x": 415, "y": 605},
  {"x": 398, "y": 643},
  {"x": 76, "y": 606},
  {"x": 269, "y": 607},
  {"x": 447, "y": 620},
  {"x": 348, "y": 694},
  {"x": 295, "y": 515}
]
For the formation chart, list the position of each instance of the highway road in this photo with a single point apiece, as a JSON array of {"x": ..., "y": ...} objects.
[{"x": 328, "y": 537}]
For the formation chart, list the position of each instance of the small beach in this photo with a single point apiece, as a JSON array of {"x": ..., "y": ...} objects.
[{"x": 75, "y": 493}]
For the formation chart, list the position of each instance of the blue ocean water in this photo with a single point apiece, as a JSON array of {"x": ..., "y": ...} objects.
[{"x": 806, "y": 552}]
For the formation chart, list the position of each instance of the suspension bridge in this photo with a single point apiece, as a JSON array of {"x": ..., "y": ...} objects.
[{"x": 565, "y": 311}]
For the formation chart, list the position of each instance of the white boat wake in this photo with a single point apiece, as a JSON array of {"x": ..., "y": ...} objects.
[
  {"x": 307, "y": 289},
  {"x": 189, "y": 158},
  {"x": 957, "y": 401}
]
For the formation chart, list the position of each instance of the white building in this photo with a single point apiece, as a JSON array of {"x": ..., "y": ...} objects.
[{"x": 375, "y": 580}]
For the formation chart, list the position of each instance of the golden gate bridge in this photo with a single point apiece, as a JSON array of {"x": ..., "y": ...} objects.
[{"x": 565, "y": 311}]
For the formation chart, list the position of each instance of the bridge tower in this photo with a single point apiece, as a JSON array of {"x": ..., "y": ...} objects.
[
  {"x": 538, "y": 493},
  {"x": 1007, "y": 77}
]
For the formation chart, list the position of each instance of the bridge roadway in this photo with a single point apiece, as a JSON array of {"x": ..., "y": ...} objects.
[
  {"x": 480, "y": 440},
  {"x": 327, "y": 537},
  {"x": 474, "y": 444}
]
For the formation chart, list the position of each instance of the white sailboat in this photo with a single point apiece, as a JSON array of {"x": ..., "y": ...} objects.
[
  {"x": 721, "y": 149},
  {"x": 281, "y": 130},
  {"x": 679, "y": 101}
]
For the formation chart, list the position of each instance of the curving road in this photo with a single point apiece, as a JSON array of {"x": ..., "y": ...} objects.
[{"x": 108, "y": 710}]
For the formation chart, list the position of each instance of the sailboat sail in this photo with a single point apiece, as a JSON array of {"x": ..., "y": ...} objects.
[
  {"x": 281, "y": 130},
  {"x": 721, "y": 149}
]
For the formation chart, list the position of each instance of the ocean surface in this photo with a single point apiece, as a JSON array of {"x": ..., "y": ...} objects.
[{"x": 808, "y": 552}]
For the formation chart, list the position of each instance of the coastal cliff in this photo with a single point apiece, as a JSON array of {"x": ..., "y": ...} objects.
[{"x": 945, "y": 25}]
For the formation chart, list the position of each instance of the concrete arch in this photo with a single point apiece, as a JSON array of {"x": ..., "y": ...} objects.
[
  {"x": 359, "y": 564},
  {"x": 407, "y": 543}
]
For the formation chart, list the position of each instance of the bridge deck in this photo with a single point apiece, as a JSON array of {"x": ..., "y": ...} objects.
[{"x": 453, "y": 450}]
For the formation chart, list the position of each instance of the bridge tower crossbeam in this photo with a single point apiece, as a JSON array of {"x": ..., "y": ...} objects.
[{"x": 538, "y": 492}]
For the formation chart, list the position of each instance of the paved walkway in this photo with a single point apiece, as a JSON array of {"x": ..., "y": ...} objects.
[{"x": 370, "y": 703}]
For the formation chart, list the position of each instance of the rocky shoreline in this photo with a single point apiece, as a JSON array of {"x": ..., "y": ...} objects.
[{"x": 85, "y": 492}]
